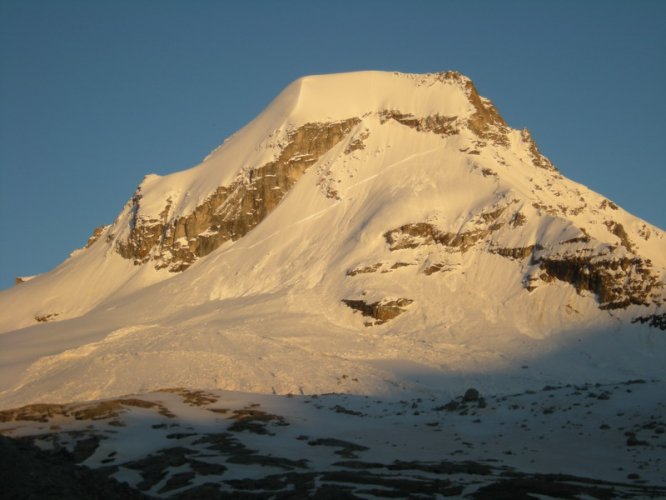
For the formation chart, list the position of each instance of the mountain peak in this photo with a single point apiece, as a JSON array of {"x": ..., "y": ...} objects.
[
  {"x": 355, "y": 203},
  {"x": 342, "y": 95}
]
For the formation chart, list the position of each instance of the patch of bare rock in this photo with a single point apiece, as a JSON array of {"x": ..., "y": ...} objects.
[{"x": 381, "y": 311}]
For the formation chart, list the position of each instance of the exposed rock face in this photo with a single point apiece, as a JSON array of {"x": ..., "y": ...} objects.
[
  {"x": 617, "y": 282},
  {"x": 618, "y": 230},
  {"x": 518, "y": 220},
  {"x": 45, "y": 318},
  {"x": 231, "y": 211},
  {"x": 97, "y": 232},
  {"x": 538, "y": 159},
  {"x": 435, "y": 268},
  {"x": 517, "y": 253},
  {"x": 423, "y": 233},
  {"x": 382, "y": 311},
  {"x": 438, "y": 124},
  {"x": 357, "y": 143},
  {"x": 381, "y": 267},
  {"x": 365, "y": 270},
  {"x": 486, "y": 122},
  {"x": 471, "y": 394},
  {"x": 617, "y": 279}
]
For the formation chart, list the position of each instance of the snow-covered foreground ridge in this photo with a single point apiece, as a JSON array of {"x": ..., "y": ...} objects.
[{"x": 368, "y": 232}]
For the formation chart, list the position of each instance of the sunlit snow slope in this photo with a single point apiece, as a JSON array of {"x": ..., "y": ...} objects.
[{"x": 368, "y": 232}]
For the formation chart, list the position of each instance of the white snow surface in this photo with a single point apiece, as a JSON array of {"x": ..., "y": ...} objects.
[{"x": 264, "y": 314}]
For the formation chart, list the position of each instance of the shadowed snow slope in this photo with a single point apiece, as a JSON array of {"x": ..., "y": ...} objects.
[{"x": 364, "y": 228}]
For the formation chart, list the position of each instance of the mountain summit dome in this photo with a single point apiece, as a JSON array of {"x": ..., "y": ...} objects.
[
  {"x": 339, "y": 96},
  {"x": 238, "y": 185},
  {"x": 373, "y": 223}
]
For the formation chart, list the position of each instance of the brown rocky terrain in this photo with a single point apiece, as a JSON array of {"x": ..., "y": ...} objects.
[{"x": 382, "y": 310}]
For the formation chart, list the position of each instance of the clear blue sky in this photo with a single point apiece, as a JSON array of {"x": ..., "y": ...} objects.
[{"x": 96, "y": 94}]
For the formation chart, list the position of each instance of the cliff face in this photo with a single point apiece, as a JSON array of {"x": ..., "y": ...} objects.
[
  {"x": 615, "y": 275},
  {"x": 231, "y": 211},
  {"x": 616, "y": 281}
]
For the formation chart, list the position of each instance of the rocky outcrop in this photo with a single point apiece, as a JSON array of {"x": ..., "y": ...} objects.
[
  {"x": 516, "y": 253},
  {"x": 618, "y": 230},
  {"x": 45, "y": 318},
  {"x": 231, "y": 211},
  {"x": 438, "y": 267},
  {"x": 437, "y": 124},
  {"x": 616, "y": 279},
  {"x": 486, "y": 122},
  {"x": 97, "y": 232},
  {"x": 357, "y": 143},
  {"x": 653, "y": 320},
  {"x": 423, "y": 233},
  {"x": 518, "y": 220},
  {"x": 617, "y": 282},
  {"x": 382, "y": 311},
  {"x": 99, "y": 410},
  {"x": 538, "y": 159},
  {"x": 608, "y": 204},
  {"x": 364, "y": 270},
  {"x": 383, "y": 267}
]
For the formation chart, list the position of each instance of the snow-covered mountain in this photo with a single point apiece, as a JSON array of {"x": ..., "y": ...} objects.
[{"x": 367, "y": 233}]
